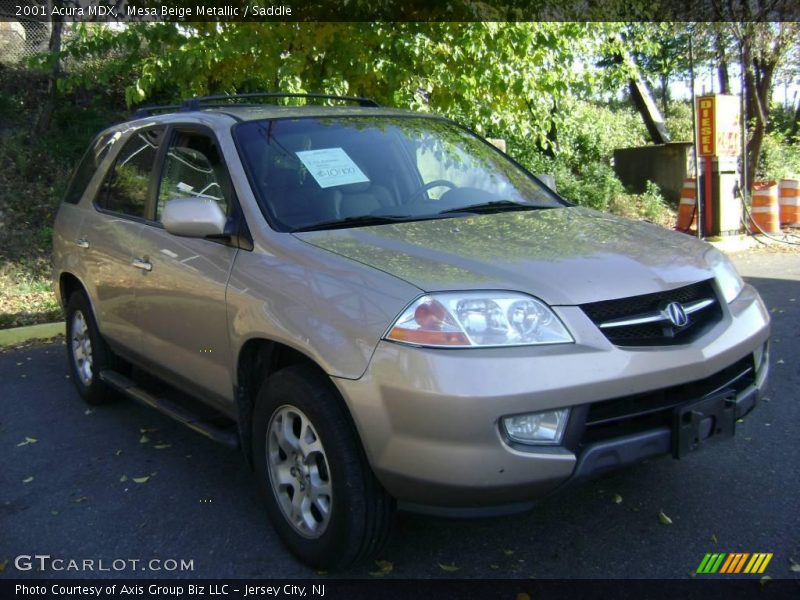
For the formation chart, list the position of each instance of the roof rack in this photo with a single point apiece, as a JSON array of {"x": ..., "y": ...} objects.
[
  {"x": 212, "y": 102},
  {"x": 195, "y": 103},
  {"x": 146, "y": 111}
]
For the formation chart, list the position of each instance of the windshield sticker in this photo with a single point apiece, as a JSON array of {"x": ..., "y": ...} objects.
[{"x": 331, "y": 167}]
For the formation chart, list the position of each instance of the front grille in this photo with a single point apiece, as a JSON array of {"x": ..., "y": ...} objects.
[
  {"x": 660, "y": 333},
  {"x": 641, "y": 412}
]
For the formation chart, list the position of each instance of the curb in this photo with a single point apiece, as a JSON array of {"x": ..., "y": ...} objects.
[
  {"x": 18, "y": 335},
  {"x": 733, "y": 243}
]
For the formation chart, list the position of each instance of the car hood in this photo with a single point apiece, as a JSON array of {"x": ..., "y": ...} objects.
[{"x": 564, "y": 256}]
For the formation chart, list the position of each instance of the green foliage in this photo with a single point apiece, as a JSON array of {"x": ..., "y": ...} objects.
[
  {"x": 782, "y": 121},
  {"x": 779, "y": 158},
  {"x": 679, "y": 121}
]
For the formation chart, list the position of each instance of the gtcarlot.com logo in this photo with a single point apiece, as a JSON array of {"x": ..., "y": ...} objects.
[
  {"x": 734, "y": 563},
  {"x": 45, "y": 562}
]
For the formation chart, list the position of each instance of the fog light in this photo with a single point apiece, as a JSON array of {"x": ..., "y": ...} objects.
[{"x": 537, "y": 428}]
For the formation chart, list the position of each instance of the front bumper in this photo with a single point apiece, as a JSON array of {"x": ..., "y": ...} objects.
[{"x": 428, "y": 418}]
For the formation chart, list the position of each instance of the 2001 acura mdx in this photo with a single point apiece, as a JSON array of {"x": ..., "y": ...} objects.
[{"x": 379, "y": 306}]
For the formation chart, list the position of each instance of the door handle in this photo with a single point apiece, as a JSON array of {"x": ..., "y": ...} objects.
[
  {"x": 82, "y": 243},
  {"x": 142, "y": 264}
]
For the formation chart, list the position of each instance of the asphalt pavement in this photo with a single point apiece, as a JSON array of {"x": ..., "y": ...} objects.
[{"x": 122, "y": 482}]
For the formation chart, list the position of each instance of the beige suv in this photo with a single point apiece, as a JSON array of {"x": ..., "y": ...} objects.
[{"x": 379, "y": 306}]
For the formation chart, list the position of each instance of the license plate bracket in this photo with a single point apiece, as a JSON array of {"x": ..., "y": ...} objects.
[{"x": 709, "y": 419}]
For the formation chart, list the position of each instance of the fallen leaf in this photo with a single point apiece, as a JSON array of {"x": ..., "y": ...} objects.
[
  {"x": 765, "y": 580},
  {"x": 28, "y": 479},
  {"x": 141, "y": 479},
  {"x": 118, "y": 453},
  {"x": 3, "y": 564},
  {"x": 617, "y": 499},
  {"x": 144, "y": 439},
  {"x": 322, "y": 572},
  {"x": 54, "y": 512},
  {"x": 26, "y": 441},
  {"x": 162, "y": 446},
  {"x": 508, "y": 552},
  {"x": 448, "y": 568},
  {"x": 149, "y": 430},
  {"x": 794, "y": 566},
  {"x": 714, "y": 538},
  {"x": 88, "y": 411},
  {"x": 664, "y": 518},
  {"x": 780, "y": 361},
  {"x": 494, "y": 567},
  {"x": 80, "y": 499},
  {"x": 384, "y": 568},
  {"x": 123, "y": 479}
]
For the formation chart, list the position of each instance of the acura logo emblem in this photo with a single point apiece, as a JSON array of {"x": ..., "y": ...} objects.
[{"x": 676, "y": 315}]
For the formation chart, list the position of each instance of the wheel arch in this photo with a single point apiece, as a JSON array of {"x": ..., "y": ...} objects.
[{"x": 258, "y": 358}]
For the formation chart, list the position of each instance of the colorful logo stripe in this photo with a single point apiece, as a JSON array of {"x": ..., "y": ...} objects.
[{"x": 735, "y": 562}]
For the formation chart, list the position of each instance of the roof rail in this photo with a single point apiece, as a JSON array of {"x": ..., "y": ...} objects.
[
  {"x": 147, "y": 111},
  {"x": 195, "y": 103}
]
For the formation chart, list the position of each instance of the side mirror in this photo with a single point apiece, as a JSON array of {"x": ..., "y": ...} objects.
[{"x": 193, "y": 217}]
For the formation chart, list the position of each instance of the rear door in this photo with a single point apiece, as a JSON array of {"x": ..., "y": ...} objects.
[
  {"x": 110, "y": 233},
  {"x": 181, "y": 298}
]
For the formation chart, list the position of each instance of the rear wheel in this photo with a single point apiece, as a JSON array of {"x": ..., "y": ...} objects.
[
  {"x": 321, "y": 494},
  {"x": 86, "y": 350}
]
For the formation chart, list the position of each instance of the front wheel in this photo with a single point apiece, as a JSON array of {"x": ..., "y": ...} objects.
[{"x": 323, "y": 500}]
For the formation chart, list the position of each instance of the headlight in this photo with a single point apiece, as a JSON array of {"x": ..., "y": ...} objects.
[
  {"x": 537, "y": 428},
  {"x": 467, "y": 319},
  {"x": 728, "y": 279}
]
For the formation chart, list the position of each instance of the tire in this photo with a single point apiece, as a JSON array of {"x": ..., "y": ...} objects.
[
  {"x": 331, "y": 471},
  {"x": 87, "y": 352}
]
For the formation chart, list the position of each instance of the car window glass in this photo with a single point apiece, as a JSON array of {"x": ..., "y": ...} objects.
[
  {"x": 86, "y": 168},
  {"x": 315, "y": 170},
  {"x": 193, "y": 168},
  {"x": 127, "y": 187}
]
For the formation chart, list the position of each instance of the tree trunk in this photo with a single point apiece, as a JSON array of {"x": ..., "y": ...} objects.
[
  {"x": 54, "y": 47},
  {"x": 722, "y": 65},
  {"x": 665, "y": 93},
  {"x": 796, "y": 123},
  {"x": 757, "y": 89}
]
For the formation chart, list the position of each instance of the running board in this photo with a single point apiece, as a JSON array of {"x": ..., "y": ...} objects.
[{"x": 169, "y": 408}]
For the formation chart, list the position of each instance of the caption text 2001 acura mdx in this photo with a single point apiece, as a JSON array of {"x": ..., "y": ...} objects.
[{"x": 379, "y": 306}]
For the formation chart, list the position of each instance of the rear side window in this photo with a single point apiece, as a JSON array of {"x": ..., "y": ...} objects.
[
  {"x": 128, "y": 183},
  {"x": 86, "y": 168}
]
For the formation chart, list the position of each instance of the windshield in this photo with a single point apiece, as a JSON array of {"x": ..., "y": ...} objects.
[{"x": 315, "y": 173}]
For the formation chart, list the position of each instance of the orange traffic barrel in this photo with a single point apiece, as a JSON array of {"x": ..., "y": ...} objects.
[
  {"x": 789, "y": 198},
  {"x": 764, "y": 209},
  {"x": 687, "y": 215}
]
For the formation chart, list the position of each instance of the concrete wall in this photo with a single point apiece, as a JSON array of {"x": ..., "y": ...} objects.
[{"x": 666, "y": 165}]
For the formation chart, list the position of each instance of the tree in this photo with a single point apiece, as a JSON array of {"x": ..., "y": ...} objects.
[
  {"x": 502, "y": 79},
  {"x": 764, "y": 41}
]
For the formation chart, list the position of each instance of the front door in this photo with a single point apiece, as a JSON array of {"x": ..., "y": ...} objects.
[{"x": 181, "y": 297}]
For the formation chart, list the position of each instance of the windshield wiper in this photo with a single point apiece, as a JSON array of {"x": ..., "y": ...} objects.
[
  {"x": 359, "y": 221},
  {"x": 493, "y": 206}
]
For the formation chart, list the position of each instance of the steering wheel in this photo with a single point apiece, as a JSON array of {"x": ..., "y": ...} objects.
[{"x": 412, "y": 199}]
